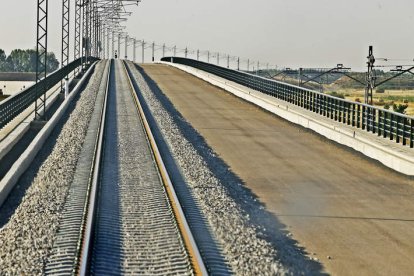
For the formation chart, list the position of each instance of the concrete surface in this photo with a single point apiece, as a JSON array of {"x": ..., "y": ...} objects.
[
  {"x": 393, "y": 155},
  {"x": 335, "y": 201}
]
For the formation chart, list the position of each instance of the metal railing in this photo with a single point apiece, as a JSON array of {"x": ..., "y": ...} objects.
[
  {"x": 17, "y": 103},
  {"x": 384, "y": 123}
]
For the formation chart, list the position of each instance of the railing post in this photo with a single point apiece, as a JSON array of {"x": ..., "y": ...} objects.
[
  {"x": 359, "y": 116},
  {"x": 335, "y": 101},
  {"x": 348, "y": 114},
  {"x": 397, "y": 130},
  {"x": 380, "y": 121},
  {"x": 404, "y": 137},
  {"x": 374, "y": 120},
  {"x": 385, "y": 123},
  {"x": 363, "y": 116},
  {"x": 314, "y": 107},
  {"x": 344, "y": 112},
  {"x": 353, "y": 115},
  {"x": 412, "y": 133}
]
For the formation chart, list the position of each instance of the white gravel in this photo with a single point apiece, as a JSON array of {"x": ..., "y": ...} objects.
[
  {"x": 245, "y": 242},
  {"x": 26, "y": 239}
]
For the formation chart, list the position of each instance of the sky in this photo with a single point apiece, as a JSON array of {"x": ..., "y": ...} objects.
[{"x": 286, "y": 33}]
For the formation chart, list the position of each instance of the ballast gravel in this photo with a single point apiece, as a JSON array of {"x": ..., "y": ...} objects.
[
  {"x": 247, "y": 252},
  {"x": 27, "y": 237}
]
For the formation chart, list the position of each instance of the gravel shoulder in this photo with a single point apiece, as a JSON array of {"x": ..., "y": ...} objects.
[
  {"x": 36, "y": 203},
  {"x": 232, "y": 211}
]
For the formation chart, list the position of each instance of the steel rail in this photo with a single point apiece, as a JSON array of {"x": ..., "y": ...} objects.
[
  {"x": 85, "y": 254},
  {"x": 190, "y": 244},
  {"x": 83, "y": 266}
]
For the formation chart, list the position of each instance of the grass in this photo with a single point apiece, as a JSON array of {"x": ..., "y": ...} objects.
[
  {"x": 398, "y": 98},
  {"x": 389, "y": 97}
]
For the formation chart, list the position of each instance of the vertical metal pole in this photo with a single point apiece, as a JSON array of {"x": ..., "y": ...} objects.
[
  {"x": 135, "y": 51},
  {"x": 153, "y": 51},
  {"x": 143, "y": 50},
  {"x": 198, "y": 54},
  {"x": 126, "y": 47},
  {"x": 248, "y": 65},
  {"x": 102, "y": 39},
  {"x": 119, "y": 45},
  {"x": 218, "y": 58},
  {"x": 163, "y": 50},
  {"x": 108, "y": 33},
  {"x": 113, "y": 44},
  {"x": 238, "y": 64},
  {"x": 41, "y": 57},
  {"x": 228, "y": 61},
  {"x": 370, "y": 77},
  {"x": 208, "y": 56},
  {"x": 78, "y": 22},
  {"x": 85, "y": 28},
  {"x": 97, "y": 34},
  {"x": 95, "y": 50},
  {"x": 65, "y": 37},
  {"x": 91, "y": 30},
  {"x": 90, "y": 24},
  {"x": 175, "y": 51}
]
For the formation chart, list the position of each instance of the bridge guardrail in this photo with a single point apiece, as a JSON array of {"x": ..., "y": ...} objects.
[
  {"x": 385, "y": 123},
  {"x": 16, "y": 104}
]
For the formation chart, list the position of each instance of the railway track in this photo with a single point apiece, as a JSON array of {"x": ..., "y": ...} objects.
[{"x": 122, "y": 215}]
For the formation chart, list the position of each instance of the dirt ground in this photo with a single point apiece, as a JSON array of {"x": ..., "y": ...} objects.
[
  {"x": 389, "y": 96},
  {"x": 334, "y": 201}
]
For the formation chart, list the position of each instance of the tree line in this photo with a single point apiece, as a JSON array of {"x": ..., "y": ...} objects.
[{"x": 25, "y": 61}]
